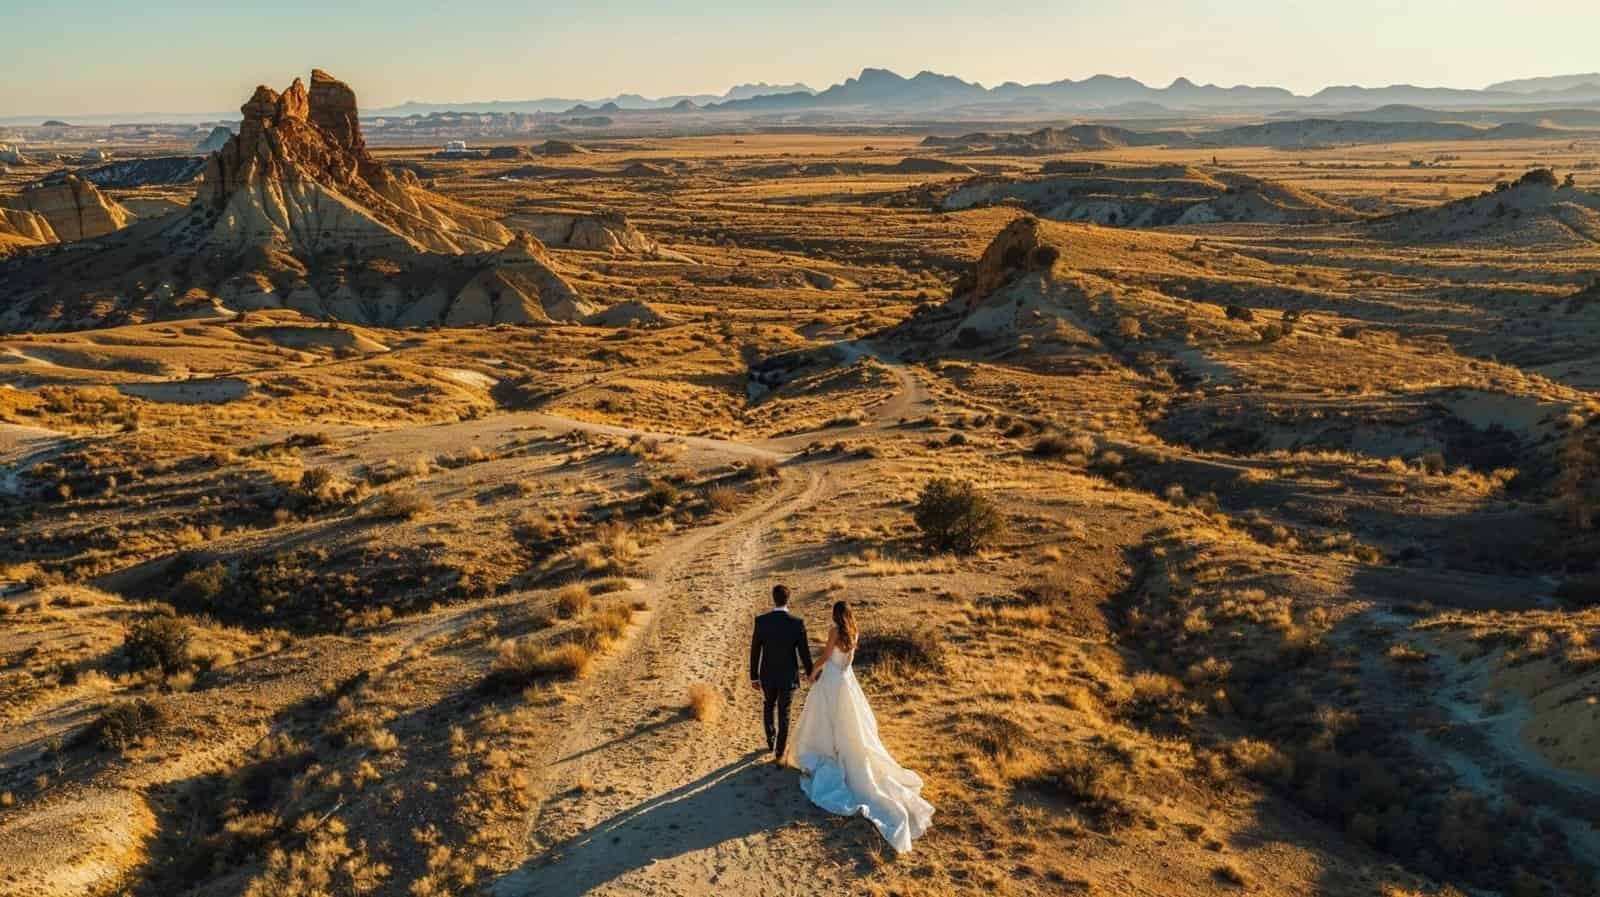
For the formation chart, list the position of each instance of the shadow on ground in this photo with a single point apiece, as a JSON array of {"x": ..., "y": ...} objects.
[{"x": 743, "y": 798}]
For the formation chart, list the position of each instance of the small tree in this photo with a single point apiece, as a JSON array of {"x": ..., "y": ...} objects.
[
  {"x": 159, "y": 642},
  {"x": 954, "y": 517}
]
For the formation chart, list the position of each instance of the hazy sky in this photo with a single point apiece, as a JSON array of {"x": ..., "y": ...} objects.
[{"x": 63, "y": 57}]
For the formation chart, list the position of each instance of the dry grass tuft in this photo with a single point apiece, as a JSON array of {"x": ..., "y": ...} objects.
[
  {"x": 705, "y": 702},
  {"x": 400, "y": 504},
  {"x": 521, "y": 663},
  {"x": 572, "y": 600}
]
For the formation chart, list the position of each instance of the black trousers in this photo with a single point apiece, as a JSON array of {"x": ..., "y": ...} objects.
[{"x": 775, "y": 715}]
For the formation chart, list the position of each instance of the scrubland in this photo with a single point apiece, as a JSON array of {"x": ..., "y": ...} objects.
[{"x": 1262, "y": 559}]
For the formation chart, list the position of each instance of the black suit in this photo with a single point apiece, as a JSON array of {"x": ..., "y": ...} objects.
[{"x": 778, "y": 649}]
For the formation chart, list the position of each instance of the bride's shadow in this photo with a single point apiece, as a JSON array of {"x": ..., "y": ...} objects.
[{"x": 740, "y": 799}]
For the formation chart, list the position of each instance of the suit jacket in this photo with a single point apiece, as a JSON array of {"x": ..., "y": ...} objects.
[{"x": 778, "y": 650}]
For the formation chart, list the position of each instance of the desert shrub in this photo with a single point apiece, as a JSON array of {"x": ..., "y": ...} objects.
[
  {"x": 609, "y": 585},
  {"x": 160, "y": 642},
  {"x": 705, "y": 702},
  {"x": 1158, "y": 699},
  {"x": 901, "y": 652},
  {"x": 1262, "y": 761},
  {"x": 327, "y": 864},
  {"x": 398, "y": 504},
  {"x": 320, "y": 487},
  {"x": 1056, "y": 445},
  {"x": 572, "y": 600},
  {"x": 522, "y": 663},
  {"x": 613, "y": 550},
  {"x": 313, "y": 590},
  {"x": 1052, "y": 446},
  {"x": 351, "y": 723},
  {"x": 126, "y": 723},
  {"x": 1541, "y": 177},
  {"x": 660, "y": 495},
  {"x": 761, "y": 469},
  {"x": 603, "y": 627},
  {"x": 954, "y": 517},
  {"x": 1240, "y": 313},
  {"x": 723, "y": 498},
  {"x": 201, "y": 587}
]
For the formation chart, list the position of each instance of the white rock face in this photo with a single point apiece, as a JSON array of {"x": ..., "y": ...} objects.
[{"x": 75, "y": 208}]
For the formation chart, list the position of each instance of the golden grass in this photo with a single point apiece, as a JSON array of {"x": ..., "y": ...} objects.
[
  {"x": 572, "y": 600},
  {"x": 705, "y": 702}
]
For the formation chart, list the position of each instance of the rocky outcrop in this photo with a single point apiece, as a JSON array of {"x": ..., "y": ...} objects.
[
  {"x": 516, "y": 286},
  {"x": 75, "y": 209},
  {"x": 333, "y": 109},
  {"x": 1017, "y": 249},
  {"x": 1149, "y": 196},
  {"x": 217, "y": 139},
  {"x": 609, "y": 232},
  {"x": 12, "y": 155},
  {"x": 298, "y": 177},
  {"x": 560, "y": 148},
  {"x": 645, "y": 170},
  {"x": 23, "y": 226},
  {"x": 132, "y": 173},
  {"x": 293, "y": 212},
  {"x": 629, "y": 313}
]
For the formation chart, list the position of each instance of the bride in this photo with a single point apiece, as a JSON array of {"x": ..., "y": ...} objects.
[{"x": 844, "y": 767}]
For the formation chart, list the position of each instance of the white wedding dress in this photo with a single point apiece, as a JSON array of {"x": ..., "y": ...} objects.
[{"x": 844, "y": 766}]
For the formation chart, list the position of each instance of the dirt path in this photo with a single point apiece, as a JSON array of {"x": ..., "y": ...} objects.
[
  {"x": 638, "y": 798},
  {"x": 21, "y": 447}
]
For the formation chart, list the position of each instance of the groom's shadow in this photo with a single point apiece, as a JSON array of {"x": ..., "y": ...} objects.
[{"x": 741, "y": 799}]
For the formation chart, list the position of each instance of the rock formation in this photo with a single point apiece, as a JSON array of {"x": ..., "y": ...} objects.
[
  {"x": 217, "y": 139},
  {"x": 609, "y": 232},
  {"x": 1016, "y": 249},
  {"x": 560, "y": 148},
  {"x": 294, "y": 212},
  {"x": 75, "y": 209},
  {"x": 21, "y": 230},
  {"x": 11, "y": 155},
  {"x": 1150, "y": 196},
  {"x": 298, "y": 176}
]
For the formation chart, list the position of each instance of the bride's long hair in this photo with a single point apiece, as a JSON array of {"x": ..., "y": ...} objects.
[{"x": 845, "y": 619}]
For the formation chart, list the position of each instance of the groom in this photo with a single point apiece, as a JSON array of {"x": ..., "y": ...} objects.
[{"x": 778, "y": 649}]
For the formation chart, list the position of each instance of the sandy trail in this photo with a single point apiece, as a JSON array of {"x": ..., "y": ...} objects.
[
  {"x": 640, "y": 799},
  {"x": 21, "y": 447}
]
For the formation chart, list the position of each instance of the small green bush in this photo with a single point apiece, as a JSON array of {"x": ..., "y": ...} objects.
[
  {"x": 126, "y": 723},
  {"x": 159, "y": 642},
  {"x": 954, "y": 517}
]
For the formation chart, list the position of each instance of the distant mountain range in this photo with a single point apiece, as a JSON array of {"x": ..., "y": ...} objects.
[
  {"x": 927, "y": 91},
  {"x": 883, "y": 92},
  {"x": 1556, "y": 82},
  {"x": 621, "y": 101}
]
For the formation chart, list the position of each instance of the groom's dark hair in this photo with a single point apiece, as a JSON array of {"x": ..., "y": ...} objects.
[{"x": 780, "y": 595}]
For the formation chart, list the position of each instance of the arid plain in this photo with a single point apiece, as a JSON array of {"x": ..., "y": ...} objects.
[{"x": 1291, "y": 587}]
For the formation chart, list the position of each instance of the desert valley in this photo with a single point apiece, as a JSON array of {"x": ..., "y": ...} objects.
[{"x": 384, "y": 506}]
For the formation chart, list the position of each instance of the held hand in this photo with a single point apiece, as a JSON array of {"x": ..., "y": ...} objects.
[{"x": 755, "y": 685}]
